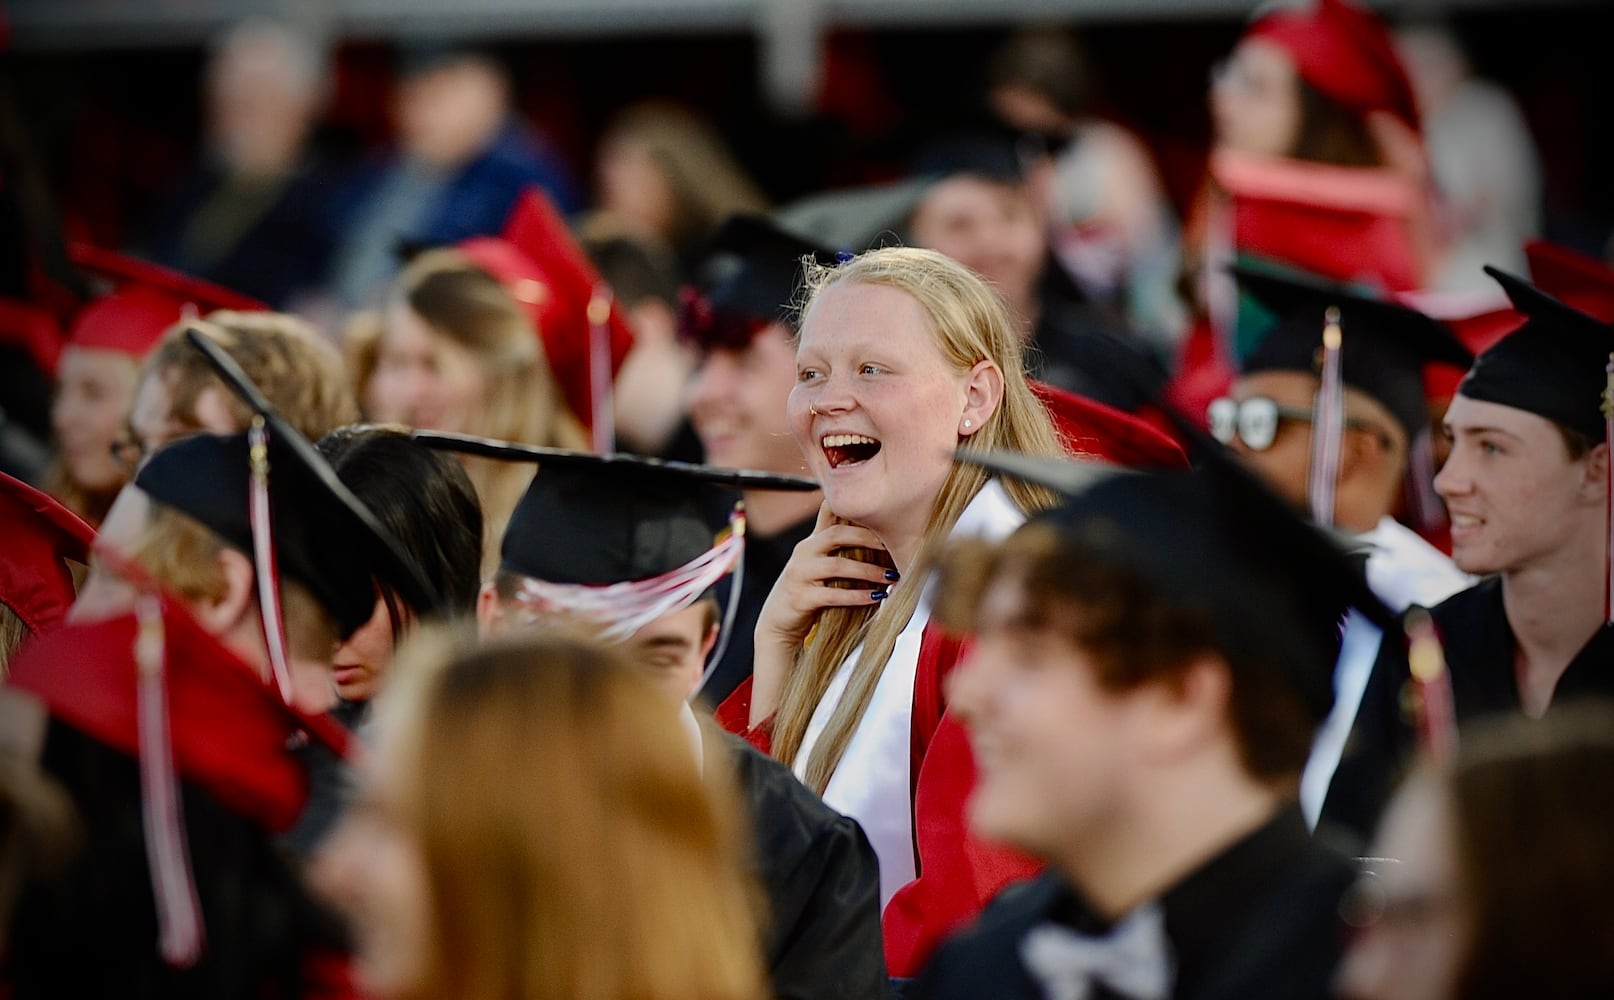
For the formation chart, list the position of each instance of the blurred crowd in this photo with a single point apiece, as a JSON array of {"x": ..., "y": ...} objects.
[{"x": 1045, "y": 586}]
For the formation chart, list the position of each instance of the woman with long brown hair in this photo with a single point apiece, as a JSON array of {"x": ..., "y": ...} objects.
[
  {"x": 452, "y": 351},
  {"x": 607, "y": 871},
  {"x": 903, "y": 356}
]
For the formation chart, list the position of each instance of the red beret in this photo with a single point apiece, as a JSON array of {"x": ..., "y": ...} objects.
[
  {"x": 144, "y": 301},
  {"x": 1346, "y": 53}
]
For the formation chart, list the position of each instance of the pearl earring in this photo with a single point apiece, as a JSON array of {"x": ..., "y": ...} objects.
[{"x": 966, "y": 425}]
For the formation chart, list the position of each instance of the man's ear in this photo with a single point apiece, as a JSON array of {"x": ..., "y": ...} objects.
[
  {"x": 489, "y": 612},
  {"x": 983, "y": 393},
  {"x": 1190, "y": 709},
  {"x": 221, "y": 615},
  {"x": 1594, "y": 479},
  {"x": 709, "y": 641}
]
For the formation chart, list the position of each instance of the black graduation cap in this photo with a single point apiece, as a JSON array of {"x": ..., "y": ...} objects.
[
  {"x": 988, "y": 152},
  {"x": 751, "y": 271},
  {"x": 323, "y": 536},
  {"x": 598, "y": 520},
  {"x": 1273, "y": 587},
  {"x": 1385, "y": 345},
  {"x": 1555, "y": 365}
]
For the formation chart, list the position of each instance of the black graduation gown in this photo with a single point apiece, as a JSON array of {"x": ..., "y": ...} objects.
[
  {"x": 1479, "y": 645},
  {"x": 822, "y": 882},
  {"x": 765, "y": 558},
  {"x": 1261, "y": 919}
]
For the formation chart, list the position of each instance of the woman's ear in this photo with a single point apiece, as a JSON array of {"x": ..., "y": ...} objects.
[{"x": 983, "y": 393}]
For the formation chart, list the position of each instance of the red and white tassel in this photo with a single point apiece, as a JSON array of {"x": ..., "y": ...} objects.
[
  {"x": 263, "y": 558},
  {"x": 601, "y": 416},
  {"x": 1437, "y": 712},
  {"x": 179, "y": 911},
  {"x": 1328, "y": 425}
]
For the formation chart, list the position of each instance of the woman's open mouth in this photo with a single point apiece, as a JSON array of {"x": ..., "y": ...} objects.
[{"x": 848, "y": 449}]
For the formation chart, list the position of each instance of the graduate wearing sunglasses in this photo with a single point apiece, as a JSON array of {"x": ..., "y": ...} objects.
[{"x": 1339, "y": 436}]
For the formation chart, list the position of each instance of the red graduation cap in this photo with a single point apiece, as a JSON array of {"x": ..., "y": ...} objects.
[
  {"x": 1581, "y": 281},
  {"x": 154, "y": 685},
  {"x": 1352, "y": 224},
  {"x": 1092, "y": 430},
  {"x": 585, "y": 334},
  {"x": 41, "y": 537},
  {"x": 1346, "y": 52},
  {"x": 144, "y": 301}
]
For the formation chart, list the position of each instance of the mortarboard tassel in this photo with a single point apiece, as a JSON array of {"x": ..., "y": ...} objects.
[
  {"x": 1608, "y": 436},
  {"x": 1328, "y": 425},
  {"x": 599, "y": 369},
  {"x": 179, "y": 912},
  {"x": 622, "y": 609},
  {"x": 737, "y": 532},
  {"x": 1436, "y": 713},
  {"x": 263, "y": 557}
]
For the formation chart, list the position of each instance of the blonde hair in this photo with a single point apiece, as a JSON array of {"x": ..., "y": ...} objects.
[
  {"x": 13, "y": 633},
  {"x": 522, "y": 402},
  {"x": 608, "y": 872},
  {"x": 298, "y": 371},
  {"x": 971, "y": 323},
  {"x": 182, "y": 555}
]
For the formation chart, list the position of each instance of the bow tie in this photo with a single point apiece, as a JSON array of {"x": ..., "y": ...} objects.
[{"x": 1134, "y": 959}]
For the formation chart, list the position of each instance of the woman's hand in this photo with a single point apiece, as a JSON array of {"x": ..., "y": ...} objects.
[{"x": 816, "y": 577}]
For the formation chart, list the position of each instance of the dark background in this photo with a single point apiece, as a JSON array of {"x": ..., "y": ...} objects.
[{"x": 114, "y": 127}]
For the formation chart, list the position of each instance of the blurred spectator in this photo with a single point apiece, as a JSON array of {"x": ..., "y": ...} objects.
[
  {"x": 1493, "y": 878},
  {"x": 451, "y": 351},
  {"x": 1481, "y": 152},
  {"x": 669, "y": 177},
  {"x": 977, "y": 208},
  {"x": 100, "y": 364},
  {"x": 463, "y": 158},
  {"x": 650, "y": 388},
  {"x": 1108, "y": 218},
  {"x": 253, "y": 215},
  {"x": 180, "y": 394},
  {"x": 609, "y": 871}
]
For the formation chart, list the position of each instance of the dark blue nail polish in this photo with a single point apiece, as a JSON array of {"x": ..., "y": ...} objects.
[
  {"x": 892, "y": 575},
  {"x": 879, "y": 595}
]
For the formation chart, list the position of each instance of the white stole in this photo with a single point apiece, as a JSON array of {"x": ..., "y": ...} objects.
[{"x": 873, "y": 781}]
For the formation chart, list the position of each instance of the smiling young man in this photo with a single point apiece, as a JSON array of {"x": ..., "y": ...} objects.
[
  {"x": 1150, "y": 662},
  {"x": 1527, "y": 488}
]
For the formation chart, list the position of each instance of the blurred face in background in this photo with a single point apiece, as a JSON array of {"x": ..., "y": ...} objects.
[
  {"x": 988, "y": 226},
  {"x": 423, "y": 379},
  {"x": 1413, "y": 932},
  {"x": 448, "y": 114},
  {"x": 95, "y": 390},
  {"x": 636, "y": 189},
  {"x": 737, "y": 404},
  {"x": 263, "y": 95},
  {"x": 1255, "y": 100}
]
